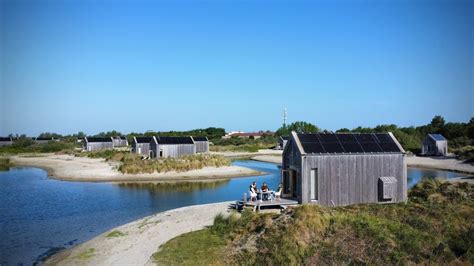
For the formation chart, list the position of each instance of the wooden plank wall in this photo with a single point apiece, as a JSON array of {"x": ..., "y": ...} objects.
[
  {"x": 348, "y": 179},
  {"x": 97, "y": 146},
  {"x": 202, "y": 146}
]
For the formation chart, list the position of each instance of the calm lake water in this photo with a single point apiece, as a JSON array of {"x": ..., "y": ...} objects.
[{"x": 39, "y": 215}]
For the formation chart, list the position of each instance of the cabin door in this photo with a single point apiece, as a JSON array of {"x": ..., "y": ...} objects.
[{"x": 294, "y": 180}]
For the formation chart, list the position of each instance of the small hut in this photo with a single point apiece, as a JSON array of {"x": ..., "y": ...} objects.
[
  {"x": 434, "y": 145},
  {"x": 162, "y": 147},
  {"x": 120, "y": 141},
  {"x": 141, "y": 145},
  {"x": 343, "y": 169},
  {"x": 97, "y": 144},
  {"x": 45, "y": 140},
  {"x": 282, "y": 140},
  {"x": 202, "y": 144},
  {"x": 6, "y": 141}
]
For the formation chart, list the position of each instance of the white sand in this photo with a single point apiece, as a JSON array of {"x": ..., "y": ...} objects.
[
  {"x": 268, "y": 158},
  {"x": 67, "y": 167},
  {"x": 142, "y": 237}
]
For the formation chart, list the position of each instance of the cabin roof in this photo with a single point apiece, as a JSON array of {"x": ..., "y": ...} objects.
[
  {"x": 96, "y": 139},
  {"x": 174, "y": 140},
  {"x": 143, "y": 139},
  {"x": 6, "y": 139},
  {"x": 348, "y": 143},
  {"x": 46, "y": 138},
  {"x": 200, "y": 139},
  {"x": 437, "y": 137},
  {"x": 285, "y": 137}
]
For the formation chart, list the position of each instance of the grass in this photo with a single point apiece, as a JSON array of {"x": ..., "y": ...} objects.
[
  {"x": 133, "y": 164},
  {"x": 435, "y": 226},
  {"x": 86, "y": 254},
  {"x": 465, "y": 153},
  {"x": 201, "y": 247},
  {"x": 115, "y": 233},
  {"x": 242, "y": 148},
  {"x": 5, "y": 164},
  {"x": 30, "y": 147}
]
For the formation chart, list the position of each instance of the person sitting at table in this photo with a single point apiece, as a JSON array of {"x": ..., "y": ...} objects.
[
  {"x": 278, "y": 191},
  {"x": 253, "y": 191},
  {"x": 265, "y": 191}
]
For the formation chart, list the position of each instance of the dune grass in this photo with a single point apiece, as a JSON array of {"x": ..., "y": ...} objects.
[
  {"x": 435, "y": 226},
  {"x": 5, "y": 164}
]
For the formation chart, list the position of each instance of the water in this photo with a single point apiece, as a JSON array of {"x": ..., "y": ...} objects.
[{"x": 39, "y": 215}]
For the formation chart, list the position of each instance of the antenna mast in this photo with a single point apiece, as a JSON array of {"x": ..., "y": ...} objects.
[{"x": 285, "y": 115}]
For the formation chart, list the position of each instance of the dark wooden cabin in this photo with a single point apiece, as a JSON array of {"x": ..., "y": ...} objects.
[
  {"x": 434, "y": 145},
  {"x": 162, "y": 147},
  {"x": 98, "y": 144},
  {"x": 45, "y": 140},
  {"x": 141, "y": 145},
  {"x": 343, "y": 169},
  {"x": 202, "y": 144},
  {"x": 6, "y": 141}
]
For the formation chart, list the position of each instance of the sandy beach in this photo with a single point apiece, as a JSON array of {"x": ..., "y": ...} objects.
[
  {"x": 71, "y": 168},
  {"x": 135, "y": 243}
]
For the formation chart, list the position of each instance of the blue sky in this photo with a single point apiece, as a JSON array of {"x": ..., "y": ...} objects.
[{"x": 92, "y": 66}]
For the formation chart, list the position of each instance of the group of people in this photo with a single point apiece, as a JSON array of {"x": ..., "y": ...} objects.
[{"x": 265, "y": 193}]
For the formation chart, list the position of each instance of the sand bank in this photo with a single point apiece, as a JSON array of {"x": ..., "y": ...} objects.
[
  {"x": 71, "y": 168},
  {"x": 440, "y": 163},
  {"x": 135, "y": 243}
]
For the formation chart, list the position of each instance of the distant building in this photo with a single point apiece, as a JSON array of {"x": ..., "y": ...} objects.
[
  {"x": 343, "y": 169},
  {"x": 45, "y": 140},
  {"x": 6, "y": 141},
  {"x": 162, "y": 147},
  {"x": 141, "y": 145},
  {"x": 120, "y": 141},
  {"x": 247, "y": 135},
  {"x": 434, "y": 145},
  {"x": 282, "y": 140},
  {"x": 97, "y": 144},
  {"x": 202, "y": 144}
]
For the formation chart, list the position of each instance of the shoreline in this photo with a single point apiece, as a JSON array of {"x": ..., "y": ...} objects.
[
  {"x": 70, "y": 168},
  {"x": 134, "y": 243}
]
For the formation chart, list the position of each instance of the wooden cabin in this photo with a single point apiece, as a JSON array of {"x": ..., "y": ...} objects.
[
  {"x": 162, "y": 147},
  {"x": 202, "y": 144},
  {"x": 282, "y": 140},
  {"x": 434, "y": 145},
  {"x": 141, "y": 145},
  {"x": 45, "y": 140},
  {"x": 6, "y": 141},
  {"x": 120, "y": 141},
  {"x": 343, "y": 169},
  {"x": 98, "y": 144}
]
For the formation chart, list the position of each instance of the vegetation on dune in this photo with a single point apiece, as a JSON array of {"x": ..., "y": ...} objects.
[
  {"x": 25, "y": 145},
  {"x": 236, "y": 144},
  {"x": 133, "y": 164},
  {"x": 115, "y": 233},
  {"x": 5, "y": 164},
  {"x": 434, "y": 226},
  {"x": 465, "y": 153}
]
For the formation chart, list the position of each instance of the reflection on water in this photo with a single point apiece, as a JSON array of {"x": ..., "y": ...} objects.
[
  {"x": 174, "y": 186},
  {"x": 415, "y": 175}
]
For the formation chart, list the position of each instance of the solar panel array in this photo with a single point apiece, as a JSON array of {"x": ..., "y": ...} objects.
[
  {"x": 144, "y": 139},
  {"x": 437, "y": 137},
  {"x": 200, "y": 138},
  {"x": 175, "y": 140},
  {"x": 348, "y": 143}
]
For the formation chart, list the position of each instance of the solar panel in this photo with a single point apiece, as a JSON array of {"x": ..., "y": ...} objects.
[
  {"x": 346, "y": 138},
  {"x": 352, "y": 147},
  {"x": 389, "y": 147},
  {"x": 383, "y": 138},
  {"x": 313, "y": 147},
  {"x": 438, "y": 137},
  {"x": 371, "y": 147},
  {"x": 364, "y": 138},
  {"x": 175, "y": 140},
  {"x": 327, "y": 138},
  {"x": 334, "y": 147},
  {"x": 308, "y": 138}
]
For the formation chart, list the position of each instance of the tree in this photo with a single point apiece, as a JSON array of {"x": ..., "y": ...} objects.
[
  {"x": 299, "y": 127},
  {"x": 343, "y": 130},
  {"x": 437, "y": 123}
]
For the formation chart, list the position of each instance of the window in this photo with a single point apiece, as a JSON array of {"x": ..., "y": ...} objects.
[{"x": 314, "y": 184}]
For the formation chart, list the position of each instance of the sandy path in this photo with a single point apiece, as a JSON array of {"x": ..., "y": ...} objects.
[
  {"x": 268, "y": 158},
  {"x": 71, "y": 168},
  {"x": 141, "y": 238}
]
